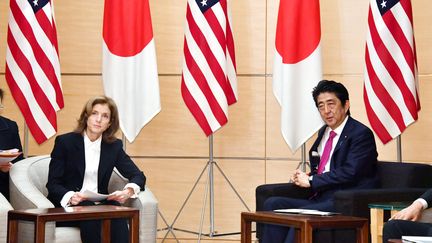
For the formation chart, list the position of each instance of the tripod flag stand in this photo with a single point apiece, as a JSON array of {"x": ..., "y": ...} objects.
[{"x": 209, "y": 193}]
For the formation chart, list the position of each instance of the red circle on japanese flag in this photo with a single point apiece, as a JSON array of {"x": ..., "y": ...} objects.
[
  {"x": 127, "y": 27},
  {"x": 298, "y": 30}
]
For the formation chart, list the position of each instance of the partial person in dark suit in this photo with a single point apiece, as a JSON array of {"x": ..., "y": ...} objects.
[
  {"x": 9, "y": 139},
  {"x": 84, "y": 160},
  {"x": 404, "y": 222},
  {"x": 343, "y": 157}
]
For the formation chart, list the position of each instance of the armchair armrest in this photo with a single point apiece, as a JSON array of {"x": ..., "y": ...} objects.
[
  {"x": 23, "y": 193},
  {"x": 148, "y": 205},
  {"x": 355, "y": 202},
  {"x": 4, "y": 208}
]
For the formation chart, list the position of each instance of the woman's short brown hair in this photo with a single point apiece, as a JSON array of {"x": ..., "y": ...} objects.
[{"x": 109, "y": 134}]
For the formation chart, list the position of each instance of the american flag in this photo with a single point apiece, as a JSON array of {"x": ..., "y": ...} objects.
[
  {"x": 209, "y": 83},
  {"x": 32, "y": 65},
  {"x": 391, "y": 85}
]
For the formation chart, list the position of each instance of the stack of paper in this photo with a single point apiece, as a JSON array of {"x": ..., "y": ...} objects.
[
  {"x": 7, "y": 156},
  {"x": 417, "y": 239},
  {"x": 304, "y": 211}
]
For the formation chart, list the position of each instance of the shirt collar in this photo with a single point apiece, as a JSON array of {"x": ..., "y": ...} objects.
[
  {"x": 338, "y": 129},
  {"x": 89, "y": 144}
]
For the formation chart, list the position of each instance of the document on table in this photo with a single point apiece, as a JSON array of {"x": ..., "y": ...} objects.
[
  {"x": 7, "y": 156},
  {"x": 304, "y": 211},
  {"x": 417, "y": 239},
  {"x": 94, "y": 197}
]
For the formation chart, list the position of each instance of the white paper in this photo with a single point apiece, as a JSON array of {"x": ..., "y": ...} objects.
[
  {"x": 417, "y": 239},
  {"x": 7, "y": 156},
  {"x": 304, "y": 211},
  {"x": 94, "y": 197}
]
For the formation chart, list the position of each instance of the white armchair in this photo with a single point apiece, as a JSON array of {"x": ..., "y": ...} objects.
[
  {"x": 28, "y": 178},
  {"x": 4, "y": 208}
]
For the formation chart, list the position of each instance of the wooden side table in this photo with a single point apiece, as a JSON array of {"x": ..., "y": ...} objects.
[
  {"x": 306, "y": 224},
  {"x": 377, "y": 217},
  {"x": 103, "y": 212}
]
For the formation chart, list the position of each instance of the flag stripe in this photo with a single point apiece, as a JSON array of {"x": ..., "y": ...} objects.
[
  {"x": 376, "y": 122},
  {"x": 26, "y": 68},
  {"x": 215, "y": 20},
  {"x": 19, "y": 97},
  {"x": 203, "y": 87},
  {"x": 209, "y": 82},
  {"x": 31, "y": 34},
  {"x": 214, "y": 63},
  {"x": 390, "y": 90},
  {"x": 33, "y": 68},
  {"x": 192, "y": 104},
  {"x": 204, "y": 65},
  {"x": 19, "y": 85},
  {"x": 385, "y": 98}
]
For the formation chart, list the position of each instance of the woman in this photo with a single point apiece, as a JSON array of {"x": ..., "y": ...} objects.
[
  {"x": 84, "y": 159},
  {"x": 9, "y": 139}
]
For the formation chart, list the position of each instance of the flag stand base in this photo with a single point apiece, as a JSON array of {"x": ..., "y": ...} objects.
[
  {"x": 209, "y": 189},
  {"x": 168, "y": 228}
]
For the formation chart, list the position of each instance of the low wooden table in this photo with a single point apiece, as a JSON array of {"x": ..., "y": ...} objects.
[
  {"x": 102, "y": 212},
  {"x": 306, "y": 223}
]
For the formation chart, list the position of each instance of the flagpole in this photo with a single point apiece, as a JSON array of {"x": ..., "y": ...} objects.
[
  {"x": 303, "y": 157},
  {"x": 26, "y": 140},
  {"x": 211, "y": 186},
  {"x": 303, "y": 163},
  {"x": 399, "y": 148}
]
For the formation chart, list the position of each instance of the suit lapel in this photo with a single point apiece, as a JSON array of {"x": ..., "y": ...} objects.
[
  {"x": 104, "y": 160},
  {"x": 80, "y": 153},
  {"x": 318, "y": 140},
  {"x": 344, "y": 136}
]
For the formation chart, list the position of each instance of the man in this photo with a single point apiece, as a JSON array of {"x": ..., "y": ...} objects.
[
  {"x": 403, "y": 223},
  {"x": 343, "y": 157},
  {"x": 9, "y": 139}
]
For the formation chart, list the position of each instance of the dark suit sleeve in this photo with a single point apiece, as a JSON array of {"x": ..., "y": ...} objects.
[
  {"x": 428, "y": 197},
  {"x": 55, "y": 185},
  {"x": 16, "y": 141},
  {"x": 128, "y": 169},
  {"x": 355, "y": 160}
]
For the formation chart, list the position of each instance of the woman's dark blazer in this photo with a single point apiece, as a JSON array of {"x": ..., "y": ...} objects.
[{"x": 67, "y": 166}]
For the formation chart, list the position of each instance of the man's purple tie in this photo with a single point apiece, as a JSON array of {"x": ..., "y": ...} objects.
[{"x": 326, "y": 153}]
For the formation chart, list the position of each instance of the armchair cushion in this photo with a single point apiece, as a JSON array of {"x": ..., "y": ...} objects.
[
  {"x": 4, "y": 209},
  {"x": 28, "y": 178}
]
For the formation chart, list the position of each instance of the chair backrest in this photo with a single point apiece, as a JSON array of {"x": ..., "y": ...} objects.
[
  {"x": 404, "y": 175},
  {"x": 38, "y": 174}
]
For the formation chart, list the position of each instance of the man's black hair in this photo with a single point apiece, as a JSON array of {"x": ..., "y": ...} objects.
[{"x": 330, "y": 86}]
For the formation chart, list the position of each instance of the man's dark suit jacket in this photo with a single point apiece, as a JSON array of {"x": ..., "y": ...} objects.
[
  {"x": 67, "y": 166},
  {"x": 353, "y": 162},
  {"x": 9, "y": 139},
  {"x": 427, "y": 196}
]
